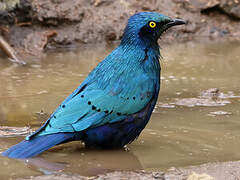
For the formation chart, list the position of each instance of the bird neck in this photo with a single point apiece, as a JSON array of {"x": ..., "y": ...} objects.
[
  {"x": 132, "y": 38},
  {"x": 141, "y": 55}
]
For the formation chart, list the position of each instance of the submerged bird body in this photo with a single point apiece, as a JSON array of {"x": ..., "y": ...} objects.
[{"x": 114, "y": 103}]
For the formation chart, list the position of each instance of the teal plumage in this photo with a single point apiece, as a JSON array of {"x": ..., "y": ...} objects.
[{"x": 114, "y": 103}]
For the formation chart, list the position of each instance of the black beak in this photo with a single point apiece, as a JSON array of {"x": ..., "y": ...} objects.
[{"x": 174, "y": 22}]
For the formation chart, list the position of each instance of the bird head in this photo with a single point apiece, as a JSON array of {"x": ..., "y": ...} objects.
[{"x": 147, "y": 27}]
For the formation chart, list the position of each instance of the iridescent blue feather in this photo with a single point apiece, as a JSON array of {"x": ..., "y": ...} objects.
[{"x": 114, "y": 103}]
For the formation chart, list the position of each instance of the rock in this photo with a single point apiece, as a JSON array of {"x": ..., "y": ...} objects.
[
  {"x": 195, "y": 176},
  {"x": 57, "y": 11},
  {"x": 199, "y": 5},
  {"x": 6, "y": 5},
  {"x": 158, "y": 175},
  {"x": 35, "y": 42},
  {"x": 231, "y": 7}
]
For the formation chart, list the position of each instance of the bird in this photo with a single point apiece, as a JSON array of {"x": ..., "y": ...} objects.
[{"x": 114, "y": 103}]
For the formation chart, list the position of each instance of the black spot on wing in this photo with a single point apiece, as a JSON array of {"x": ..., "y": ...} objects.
[
  {"x": 80, "y": 90},
  {"x": 97, "y": 108},
  {"x": 93, "y": 107}
]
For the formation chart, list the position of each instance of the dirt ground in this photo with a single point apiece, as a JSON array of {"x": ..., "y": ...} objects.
[
  {"x": 211, "y": 171},
  {"x": 32, "y": 26}
]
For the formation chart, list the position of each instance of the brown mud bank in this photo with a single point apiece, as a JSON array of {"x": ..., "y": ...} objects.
[
  {"x": 32, "y": 26},
  {"x": 211, "y": 171}
]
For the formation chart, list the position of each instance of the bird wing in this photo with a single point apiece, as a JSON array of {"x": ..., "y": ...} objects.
[{"x": 89, "y": 107}]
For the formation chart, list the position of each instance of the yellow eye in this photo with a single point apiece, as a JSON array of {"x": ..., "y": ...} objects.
[{"x": 152, "y": 24}]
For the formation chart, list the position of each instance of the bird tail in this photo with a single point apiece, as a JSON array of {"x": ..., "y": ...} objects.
[{"x": 36, "y": 145}]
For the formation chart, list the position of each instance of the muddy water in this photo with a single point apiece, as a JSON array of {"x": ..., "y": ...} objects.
[{"x": 196, "y": 120}]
